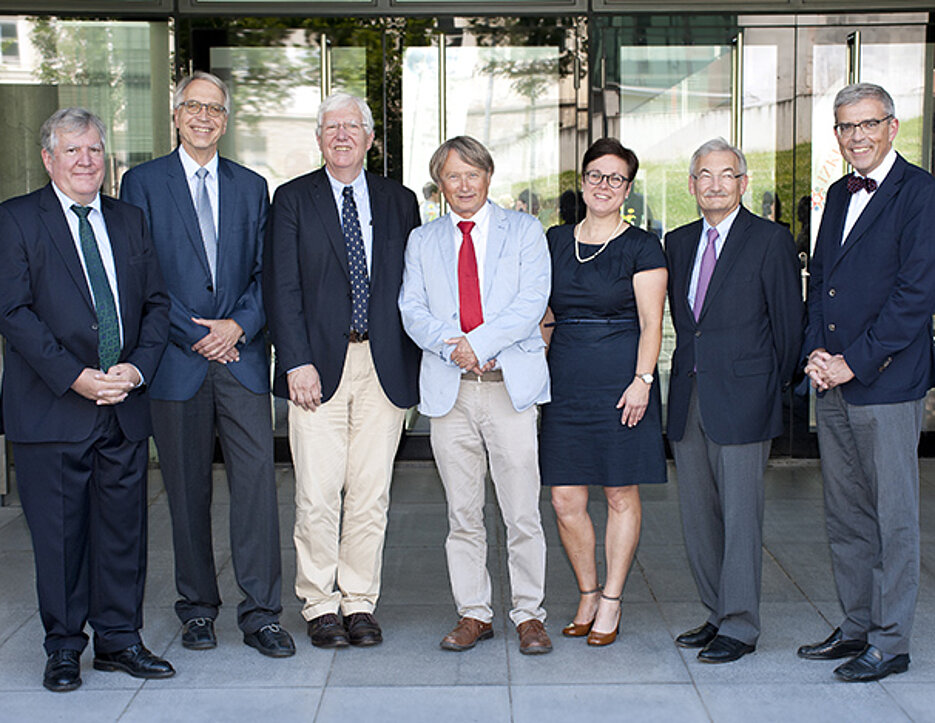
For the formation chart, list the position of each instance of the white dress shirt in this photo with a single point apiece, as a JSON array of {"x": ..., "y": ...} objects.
[
  {"x": 723, "y": 228},
  {"x": 362, "y": 200},
  {"x": 481, "y": 220},
  {"x": 190, "y": 166},
  {"x": 860, "y": 199}
]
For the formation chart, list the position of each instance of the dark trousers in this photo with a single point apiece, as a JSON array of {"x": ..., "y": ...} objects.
[
  {"x": 721, "y": 499},
  {"x": 85, "y": 504},
  {"x": 185, "y": 433}
]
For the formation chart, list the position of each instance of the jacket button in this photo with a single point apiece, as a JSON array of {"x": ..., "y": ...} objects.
[
  {"x": 698, "y": 333},
  {"x": 831, "y": 327},
  {"x": 94, "y": 327},
  {"x": 210, "y": 288},
  {"x": 831, "y": 292}
]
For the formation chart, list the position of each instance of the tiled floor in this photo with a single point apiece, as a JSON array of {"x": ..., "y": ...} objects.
[{"x": 643, "y": 677}]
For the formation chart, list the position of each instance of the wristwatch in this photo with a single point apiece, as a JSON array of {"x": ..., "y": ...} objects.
[{"x": 647, "y": 378}]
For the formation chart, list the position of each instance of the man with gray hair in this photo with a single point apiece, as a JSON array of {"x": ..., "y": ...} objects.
[
  {"x": 869, "y": 341},
  {"x": 85, "y": 315},
  {"x": 334, "y": 263},
  {"x": 737, "y": 310},
  {"x": 476, "y": 286},
  {"x": 208, "y": 219}
]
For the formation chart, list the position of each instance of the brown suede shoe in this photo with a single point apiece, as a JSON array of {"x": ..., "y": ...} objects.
[
  {"x": 466, "y": 634},
  {"x": 533, "y": 639}
]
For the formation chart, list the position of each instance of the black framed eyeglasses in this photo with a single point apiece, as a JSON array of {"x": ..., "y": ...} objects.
[
  {"x": 845, "y": 130},
  {"x": 193, "y": 107},
  {"x": 614, "y": 180}
]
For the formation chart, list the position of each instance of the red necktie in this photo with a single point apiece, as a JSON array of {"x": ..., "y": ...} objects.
[{"x": 468, "y": 283}]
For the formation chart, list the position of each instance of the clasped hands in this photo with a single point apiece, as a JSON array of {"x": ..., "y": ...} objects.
[
  {"x": 463, "y": 355},
  {"x": 107, "y": 388},
  {"x": 220, "y": 343},
  {"x": 826, "y": 370}
]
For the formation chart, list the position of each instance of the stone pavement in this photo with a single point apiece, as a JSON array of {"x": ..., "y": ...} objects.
[{"x": 642, "y": 677}]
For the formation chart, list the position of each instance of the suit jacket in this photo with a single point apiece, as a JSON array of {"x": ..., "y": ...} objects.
[
  {"x": 517, "y": 280},
  {"x": 872, "y": 299},
  {"x": 47, "y": 316},
  {"x": 747, "y": 339},
  {"x": 160, "y": 188},
  {"x": 307, "y": 284}
]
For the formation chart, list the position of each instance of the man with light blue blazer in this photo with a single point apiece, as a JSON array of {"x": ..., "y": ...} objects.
[{"x": 475, "y": 287}]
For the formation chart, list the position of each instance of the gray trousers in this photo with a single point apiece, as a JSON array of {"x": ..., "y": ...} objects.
[
  {"x": 870, "y": 467},
  {"x": 184, "y": 433},
  {"x": 721, "y": 499}
]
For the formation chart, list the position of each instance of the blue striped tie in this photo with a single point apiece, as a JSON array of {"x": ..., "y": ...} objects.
[{"x": 108, "y": 328}]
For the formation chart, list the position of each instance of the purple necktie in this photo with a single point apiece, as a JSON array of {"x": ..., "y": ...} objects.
[{"x": 708, "y": 260}]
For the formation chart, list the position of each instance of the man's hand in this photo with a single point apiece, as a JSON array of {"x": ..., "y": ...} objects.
[
  {"x": 107, "y": 389},
  {"x": 827, "y": 371},
  {"x": 220, "y": 344},
  {"x": 463, "y": 355},
  {"x": 305, "y": 387}
]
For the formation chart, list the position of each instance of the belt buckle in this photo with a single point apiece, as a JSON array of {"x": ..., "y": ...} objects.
[{"x": 355, "y": 337}]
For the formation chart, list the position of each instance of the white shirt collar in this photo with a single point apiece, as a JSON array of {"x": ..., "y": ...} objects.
[
  {"x": 67, "y": 202},
  {"x": 479, "y": 218},
  {"x": 359, "y": 184},
  {"x": 191, "y": 166},
  {"x": 879, "y": 173}
]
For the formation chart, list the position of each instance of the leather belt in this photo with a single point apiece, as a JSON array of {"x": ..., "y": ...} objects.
[
  {"x": 494, "y": 375},
  {"x": 355, "y": 337}
]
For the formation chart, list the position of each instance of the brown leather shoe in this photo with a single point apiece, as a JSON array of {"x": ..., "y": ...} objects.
[
  {"x": 533, "y": 639},
  {"x": 466, "y": 634}
]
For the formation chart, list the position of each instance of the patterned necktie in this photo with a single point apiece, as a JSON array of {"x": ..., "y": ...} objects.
[
  {"x": 356, "y": 263},
  {"x": 708, "y": 260},
  {"x": 108, "y": 328},
  {"x": 855, "y": 183},
  {"x": 209, "y": 236},
  {"x": 468, "y": 282}
]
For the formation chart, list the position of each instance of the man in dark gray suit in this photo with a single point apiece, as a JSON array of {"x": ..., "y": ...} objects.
[{"x": 737, "y": 310}]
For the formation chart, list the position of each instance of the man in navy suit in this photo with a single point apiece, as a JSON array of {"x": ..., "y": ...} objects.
[
  {"x": 85, "y": 316},
  {"x": 208, "y": 219},
  {"x": 737, "y": 308},
  {"x": 869, "y": 337},
  {"x": 334, "y": 264}
]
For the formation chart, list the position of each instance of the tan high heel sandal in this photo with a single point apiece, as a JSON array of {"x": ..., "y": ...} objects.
[
  {"x": 579, "y": 630},
  {"x": 599, "y": 639}
]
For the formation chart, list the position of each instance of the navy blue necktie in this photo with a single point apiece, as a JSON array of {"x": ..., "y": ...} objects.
[
  {"x": 356, "y": 262},
  {"x": 108, "y": 328}
]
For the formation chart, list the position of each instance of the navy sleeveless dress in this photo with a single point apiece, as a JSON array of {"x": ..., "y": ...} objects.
[{"x": 592, "y": 360}]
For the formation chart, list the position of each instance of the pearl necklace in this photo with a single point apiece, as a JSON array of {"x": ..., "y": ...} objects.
[{"x": 604, "y": 245}]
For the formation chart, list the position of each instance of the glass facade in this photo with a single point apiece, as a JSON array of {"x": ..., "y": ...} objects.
[{"x": 535, "y": 90}]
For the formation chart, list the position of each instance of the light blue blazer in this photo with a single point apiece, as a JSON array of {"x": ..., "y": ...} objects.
[{"x": 517, "y": 280}]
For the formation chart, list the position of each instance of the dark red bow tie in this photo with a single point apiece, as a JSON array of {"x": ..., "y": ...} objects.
[{"x": 855, "y": 183}]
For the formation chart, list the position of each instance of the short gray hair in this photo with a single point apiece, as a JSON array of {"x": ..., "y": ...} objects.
[
  {"x": 713, "y": 146},
  {"x": 69, "y": 120},
  {"x": 179, "y": 96},
  {"x": 471, "y": 150},
  {"x": 340, "y": 99},
  {"x": 857, "y": 92}
]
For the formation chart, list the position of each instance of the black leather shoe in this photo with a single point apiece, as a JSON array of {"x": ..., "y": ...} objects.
[
  {"x": 63, "y": 671},
  {"x": 871, "y": 665},
  {"x": 724, "y": 649},
  {"x": 271, "y": 640},
  {"x": 326, "y": 631},
  {"x": 198, "y": 634},
  {"x": 697, "y": 637},
  {"x": 832, "y": 648},
  {"x": 135, "y": 660},
  {"x": 363, "y": 629}
]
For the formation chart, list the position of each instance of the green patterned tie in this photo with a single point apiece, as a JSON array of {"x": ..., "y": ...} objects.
[{"x": 108, "y": 328}]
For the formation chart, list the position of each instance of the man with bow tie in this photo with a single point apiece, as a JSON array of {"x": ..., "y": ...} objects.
[{"x": 869, "y": 337}]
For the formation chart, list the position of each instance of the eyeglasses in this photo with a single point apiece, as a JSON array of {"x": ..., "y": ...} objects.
[
  {"x": 193, "y": 107},
  {"x": 614, "y": 180},
  {"x": 724, "y": 176},
  {"x": 349, "y": 127},
  {"x": 846, "y": 130}
]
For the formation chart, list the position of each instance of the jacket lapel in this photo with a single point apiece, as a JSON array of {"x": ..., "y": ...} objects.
[
  {"x": 323, "y": 200},
  {"x": 496, "y": 237},
  {"x": 117, "y": 232},
  {"x": 729, "y": 253},
  {"x": 378, "y": 209},
  {"x": 182, "y": 197},
  {"x": 228, "y": 202},
  {"x": 691, "y": 234},
  {"x": 50, "y": 212}
]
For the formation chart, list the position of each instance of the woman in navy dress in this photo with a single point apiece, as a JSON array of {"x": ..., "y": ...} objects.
[{"x": 603, "y": 426}]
